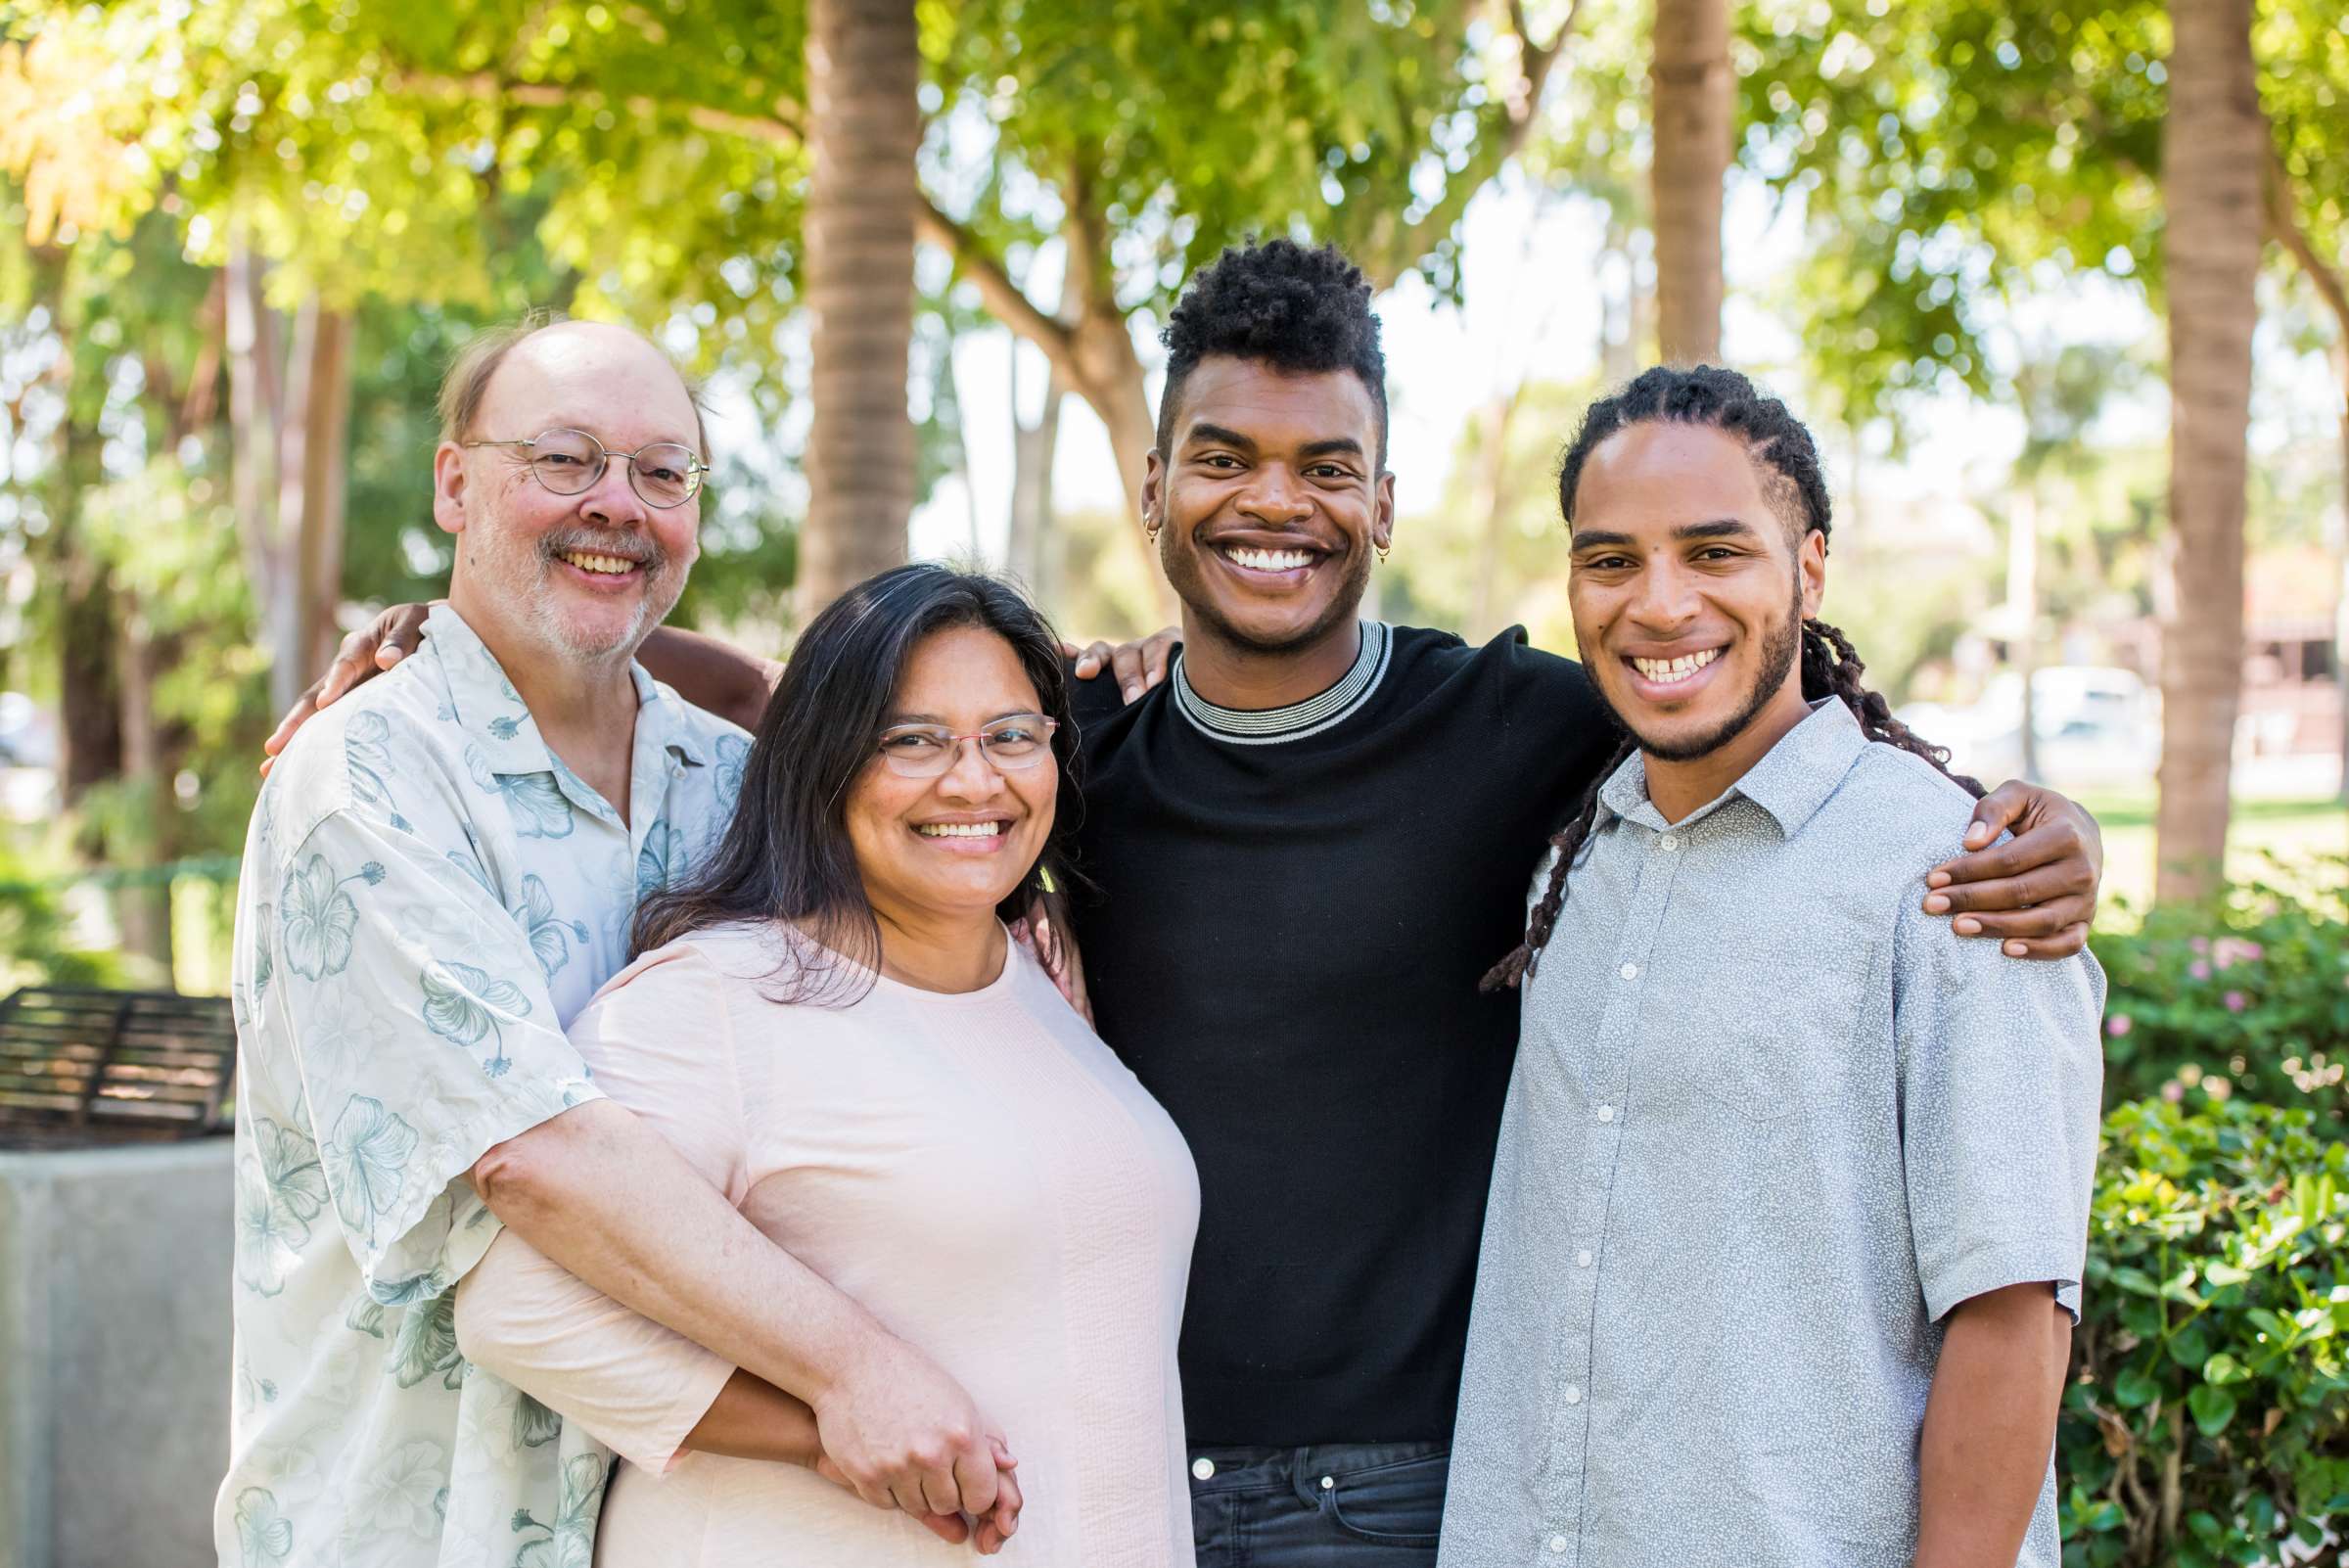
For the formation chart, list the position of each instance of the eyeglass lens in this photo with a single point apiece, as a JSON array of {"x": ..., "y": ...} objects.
[
  {"x": 569, "y": 461},
  {"x": 926, "y": 751}
]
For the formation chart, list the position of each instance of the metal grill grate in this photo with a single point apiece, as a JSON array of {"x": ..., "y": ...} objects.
[{"x": 114, "y": 1066}]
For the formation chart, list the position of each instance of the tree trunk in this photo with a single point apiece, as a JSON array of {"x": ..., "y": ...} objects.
[
  {"x": 863, "y": 69},
  {"x": 88, "y": 681},
  {"x": 143, "y": 908},
  {"x": 1034, "y": 449},
  {"x": 249, "y": 338},
  {"x": 1110, "y": 379},
  {"x": 2340, "y": 613},
  {"x": 2214, "y": 148},
  {"x": 313, "y": 485},
  {"x": 1492, "y": 501},
  {"x": 1107, "y": 372},
  {"x": 2022, "y": 604},
  {"x": 1692, "y": 86}
]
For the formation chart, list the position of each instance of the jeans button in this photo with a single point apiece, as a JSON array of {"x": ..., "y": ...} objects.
[{"x": 1204, "y": 1469}]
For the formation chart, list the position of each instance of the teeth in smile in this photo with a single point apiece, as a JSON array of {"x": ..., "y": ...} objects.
[
  {"x": 1668, "y": 670},
  {"x": 608, "y": 565},
  {"x": 1269, "y": 559},
  {"x": 959, "y": 830}
]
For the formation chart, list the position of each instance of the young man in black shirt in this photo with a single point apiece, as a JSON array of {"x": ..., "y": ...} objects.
[{"x": 1304, "y": 849}]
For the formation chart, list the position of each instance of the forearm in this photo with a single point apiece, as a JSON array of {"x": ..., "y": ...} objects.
[
  {"x": 753, "y": 1419},
  {"x": 605, "y": 1197},
  {"x": 1990, "y": 1427},
  {"x": 712, "y": 675}
]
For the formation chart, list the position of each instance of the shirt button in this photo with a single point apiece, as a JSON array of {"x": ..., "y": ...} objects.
[
  {"x": 1630, "y": 971},
  {"x": 1573, "y": 1394},
  {"x": 1581, "y": 1259},
  {"x": 1667, "y": 841},
  {"x": 1606, "y": 1113},
  {"x": 1557, "y": 1542},
  {"x": 1204, "y": 1469}
]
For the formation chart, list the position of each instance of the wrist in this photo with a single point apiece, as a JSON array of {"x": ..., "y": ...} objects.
[{"x": 847, "y": 1359}]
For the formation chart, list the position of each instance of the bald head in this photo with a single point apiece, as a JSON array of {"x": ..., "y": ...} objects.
[{"x": 517, "y": 381}]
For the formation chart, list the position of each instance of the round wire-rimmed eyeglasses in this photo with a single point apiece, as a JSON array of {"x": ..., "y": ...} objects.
[
  {"x": 928, "y": 751},
  {"x": 569, "y": 462}
]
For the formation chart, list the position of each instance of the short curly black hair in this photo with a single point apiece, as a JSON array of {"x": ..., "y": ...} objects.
[{"x": 1298, "y": 309}]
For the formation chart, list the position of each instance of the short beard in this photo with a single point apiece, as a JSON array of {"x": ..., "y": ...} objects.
[
  {"x": 1183, "y": 575},
  {"x": 523, "y": 573},
  {"x": 1782, "y": 646}
]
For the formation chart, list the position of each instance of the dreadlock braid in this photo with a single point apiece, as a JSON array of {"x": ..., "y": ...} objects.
[
  {"x": 1727, "y": 401},
  {"x": 1568, "y": 841},
  {"x": 1832, "y": 667}
]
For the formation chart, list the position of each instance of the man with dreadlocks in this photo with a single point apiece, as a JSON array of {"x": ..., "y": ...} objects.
[
  {"x": 1787, "y": 1222},
  {"x": 1304, "y": 848}
]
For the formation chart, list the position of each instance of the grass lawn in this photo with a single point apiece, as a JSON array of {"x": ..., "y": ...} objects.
[{"x": 2311, "y": 837}]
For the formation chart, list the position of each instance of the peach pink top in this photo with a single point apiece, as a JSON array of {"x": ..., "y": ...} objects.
[{"x": 977, "y": 1170}]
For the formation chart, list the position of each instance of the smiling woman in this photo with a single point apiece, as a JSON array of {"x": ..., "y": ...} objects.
[
  {"x": 857, "y": 774},
  {"x": 831, "y": 1024}
]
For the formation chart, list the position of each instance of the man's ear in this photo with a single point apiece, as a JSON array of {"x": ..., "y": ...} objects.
[
  {"x": 448, "y": 487},
  {"x": 1154, "y": 490},
  {"x": 1382, "y": 514},
  {"x": 1811, "y": 563}
]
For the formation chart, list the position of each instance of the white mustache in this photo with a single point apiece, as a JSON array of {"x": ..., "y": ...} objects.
[{"x": 627, "y": 547}]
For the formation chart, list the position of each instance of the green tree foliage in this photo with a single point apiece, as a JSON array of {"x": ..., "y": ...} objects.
[
  {"x": 1960, "y": 156},
  {"x": 1964, "y": 158}
]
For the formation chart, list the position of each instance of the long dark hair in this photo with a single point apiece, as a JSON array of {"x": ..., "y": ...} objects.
[
  {"x": 1725, "y": 401},
  {"x": 786, "y": 856}
]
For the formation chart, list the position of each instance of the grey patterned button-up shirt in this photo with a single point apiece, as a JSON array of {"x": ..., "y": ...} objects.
[{"x": 1770, "y": 1122}]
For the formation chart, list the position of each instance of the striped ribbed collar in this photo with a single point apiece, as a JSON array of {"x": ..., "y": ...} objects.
[{"x": 1268, "y": 726}]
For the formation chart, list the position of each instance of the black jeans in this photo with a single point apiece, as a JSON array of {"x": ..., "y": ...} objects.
[{"x": 1338, "y": 1505}]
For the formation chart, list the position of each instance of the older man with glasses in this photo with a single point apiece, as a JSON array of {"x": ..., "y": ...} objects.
[{"x": 440, "y": 872}]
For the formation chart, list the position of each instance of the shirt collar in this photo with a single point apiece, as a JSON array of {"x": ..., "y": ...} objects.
[
  {"x": 1791, "y": 782},
  {"x": 1273, "y": 725},
  {"x": 493, "y": 717}
]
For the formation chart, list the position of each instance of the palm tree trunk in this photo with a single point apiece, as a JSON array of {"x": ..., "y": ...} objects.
[
  {"x": 2214, "y": 149},
  {"x": 864, "y": 128},
  {"x": 1692, "y": 87}
]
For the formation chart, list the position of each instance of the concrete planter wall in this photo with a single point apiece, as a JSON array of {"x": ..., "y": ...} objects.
[{"x": 115, "y": 1269}]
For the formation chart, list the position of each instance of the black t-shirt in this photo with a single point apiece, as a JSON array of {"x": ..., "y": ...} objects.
[{"x": 1283, "y": 939}]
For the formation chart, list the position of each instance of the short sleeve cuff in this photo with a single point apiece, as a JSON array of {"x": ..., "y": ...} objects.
[
  {"x": 439, "y": 1227},
  {"x": 659, "y": 1444},
  {"x": 1982, "y": 1272}
]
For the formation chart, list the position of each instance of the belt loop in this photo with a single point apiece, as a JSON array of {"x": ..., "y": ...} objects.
[{"x": 1304, "y": 1479}]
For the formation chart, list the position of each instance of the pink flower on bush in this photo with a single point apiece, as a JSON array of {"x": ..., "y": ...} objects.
[
  {"x": 2199, "y": 944},
  {"x": 2198, "y": 969},
  {"x": 2119, "y": 1025},
  {"x": 2229, "y": 950},
  {"x": 2173, "y": 1092},
  {"x": 2234, "y": 1002}
]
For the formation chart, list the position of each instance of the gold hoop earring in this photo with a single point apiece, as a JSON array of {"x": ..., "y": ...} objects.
[
  {"x": 1150, "y": 531},
  {"x": 1382, "y": 552}
]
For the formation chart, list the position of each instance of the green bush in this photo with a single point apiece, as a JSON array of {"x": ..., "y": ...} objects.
[
  {"x": 2208, "y": 1415},
  {"x": 2246, "y": 996},
  {"x": 36, "y": 939}
]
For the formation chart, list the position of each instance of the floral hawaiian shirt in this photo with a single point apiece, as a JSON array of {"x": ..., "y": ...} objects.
[{"x": 427, "y": 895}]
